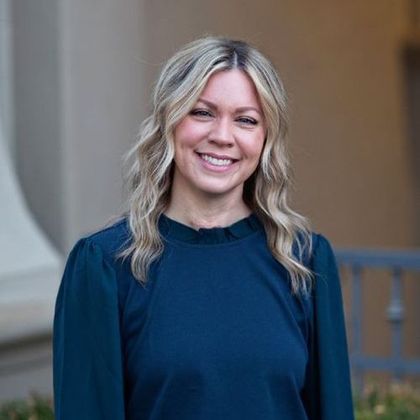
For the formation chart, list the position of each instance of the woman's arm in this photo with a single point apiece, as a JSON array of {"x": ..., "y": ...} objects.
[
  {"x": 327, "y": 392},
  {"x": 87, "y": 360}
]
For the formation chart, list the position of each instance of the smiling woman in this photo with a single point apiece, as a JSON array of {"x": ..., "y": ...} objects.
[{"x": 210, "y": 298}]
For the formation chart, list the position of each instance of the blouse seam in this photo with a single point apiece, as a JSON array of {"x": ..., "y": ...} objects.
[{"x": 106, "y": 229}]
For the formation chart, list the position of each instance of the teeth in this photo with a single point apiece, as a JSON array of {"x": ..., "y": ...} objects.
[{"x": 217, "y": 162}]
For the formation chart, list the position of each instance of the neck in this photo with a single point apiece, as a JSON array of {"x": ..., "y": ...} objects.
[{"x": 204, "y": 211}]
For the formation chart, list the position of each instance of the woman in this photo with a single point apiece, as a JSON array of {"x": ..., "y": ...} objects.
[{"x": 210, "y": 298}]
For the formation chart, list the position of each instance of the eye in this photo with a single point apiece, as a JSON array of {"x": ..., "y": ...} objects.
[
  {"x": 201, "y": 112},
  {"x": 247, "y": 120}
]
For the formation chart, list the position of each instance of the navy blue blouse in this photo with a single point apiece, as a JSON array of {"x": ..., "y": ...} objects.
[{"x": 215, "y": 333}]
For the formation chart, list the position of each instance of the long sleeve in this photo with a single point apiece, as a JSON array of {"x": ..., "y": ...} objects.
[
  {"x": 328, "y": 389},
  {"x": 87, "y": 360}
]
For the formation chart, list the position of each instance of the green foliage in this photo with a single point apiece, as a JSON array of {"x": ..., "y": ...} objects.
[
  {"x": 34, "y": 408},
  {"x": 399, "y": 402}
]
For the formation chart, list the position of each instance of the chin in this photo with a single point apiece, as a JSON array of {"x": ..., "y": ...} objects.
[{"x": 215, "y": 190}]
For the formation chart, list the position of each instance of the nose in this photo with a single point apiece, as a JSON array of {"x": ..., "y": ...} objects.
[{"x": 222, "y": 132}]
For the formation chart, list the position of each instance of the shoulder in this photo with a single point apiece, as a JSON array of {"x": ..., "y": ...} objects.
[
  {"x": 321, "y": 245},
  {"x": 109, "y": 241},
  {"x": 312, "y": 247},
  {"x": 324, "y": 266},
  {"x": 93, "y": 258}
]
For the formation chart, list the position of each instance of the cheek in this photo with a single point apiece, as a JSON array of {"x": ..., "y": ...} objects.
[
  {"x": 187, "y": 134},
  {"x": 255, "y": 147},
  {"x": 255, "y": 153}
]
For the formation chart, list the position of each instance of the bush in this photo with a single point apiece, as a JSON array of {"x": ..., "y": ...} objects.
[
  {"x": 34, "y": 408},
  {"x": 399, "y": 402}
]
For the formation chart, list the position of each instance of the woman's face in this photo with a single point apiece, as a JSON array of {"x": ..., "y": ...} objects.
[{"x": 219, "y": 143}]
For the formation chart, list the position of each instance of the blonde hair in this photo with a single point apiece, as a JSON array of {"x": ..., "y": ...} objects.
[{"x": 149, "y": 177}]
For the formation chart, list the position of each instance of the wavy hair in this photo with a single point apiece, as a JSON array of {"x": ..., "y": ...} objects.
[{"x": 149, "y": 175}]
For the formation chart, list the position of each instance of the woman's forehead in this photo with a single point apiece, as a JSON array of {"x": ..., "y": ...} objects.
[{"x": 233, "y": 87}]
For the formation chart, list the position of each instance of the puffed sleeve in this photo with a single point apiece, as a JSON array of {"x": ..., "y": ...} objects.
[
  {"x": 87, "y": 360},
  {"x": 327, "y": 391}
]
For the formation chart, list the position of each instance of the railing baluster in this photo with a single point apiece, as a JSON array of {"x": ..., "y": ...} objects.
[
  {"x": 395, "y": 315},
  {"x": 398, "y": 262}
]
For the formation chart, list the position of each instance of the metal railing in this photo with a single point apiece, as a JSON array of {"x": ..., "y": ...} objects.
[{"x": 398, "y": 263}]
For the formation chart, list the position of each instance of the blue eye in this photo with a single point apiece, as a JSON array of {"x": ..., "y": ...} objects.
[
  {"x": 247, "y": 120},
  {"x": 200, "y": 112}
]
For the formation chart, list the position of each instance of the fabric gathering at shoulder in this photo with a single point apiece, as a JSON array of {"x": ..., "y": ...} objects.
[{"x": 112, "y": 239}]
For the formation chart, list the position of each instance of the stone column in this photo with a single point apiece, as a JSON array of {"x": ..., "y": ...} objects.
[{"x": 30, "y": 267}]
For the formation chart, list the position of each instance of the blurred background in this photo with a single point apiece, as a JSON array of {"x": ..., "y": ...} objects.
[{"x": 75, "y": 82}]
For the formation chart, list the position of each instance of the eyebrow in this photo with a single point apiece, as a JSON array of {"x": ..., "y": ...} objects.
[{"x": 240, "y": 109}]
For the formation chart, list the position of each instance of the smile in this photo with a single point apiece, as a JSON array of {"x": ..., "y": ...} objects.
[{"x": 223, "y": 161}]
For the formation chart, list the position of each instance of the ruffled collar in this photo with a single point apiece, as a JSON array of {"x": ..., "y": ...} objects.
[{"x": 171, "y": 229}]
